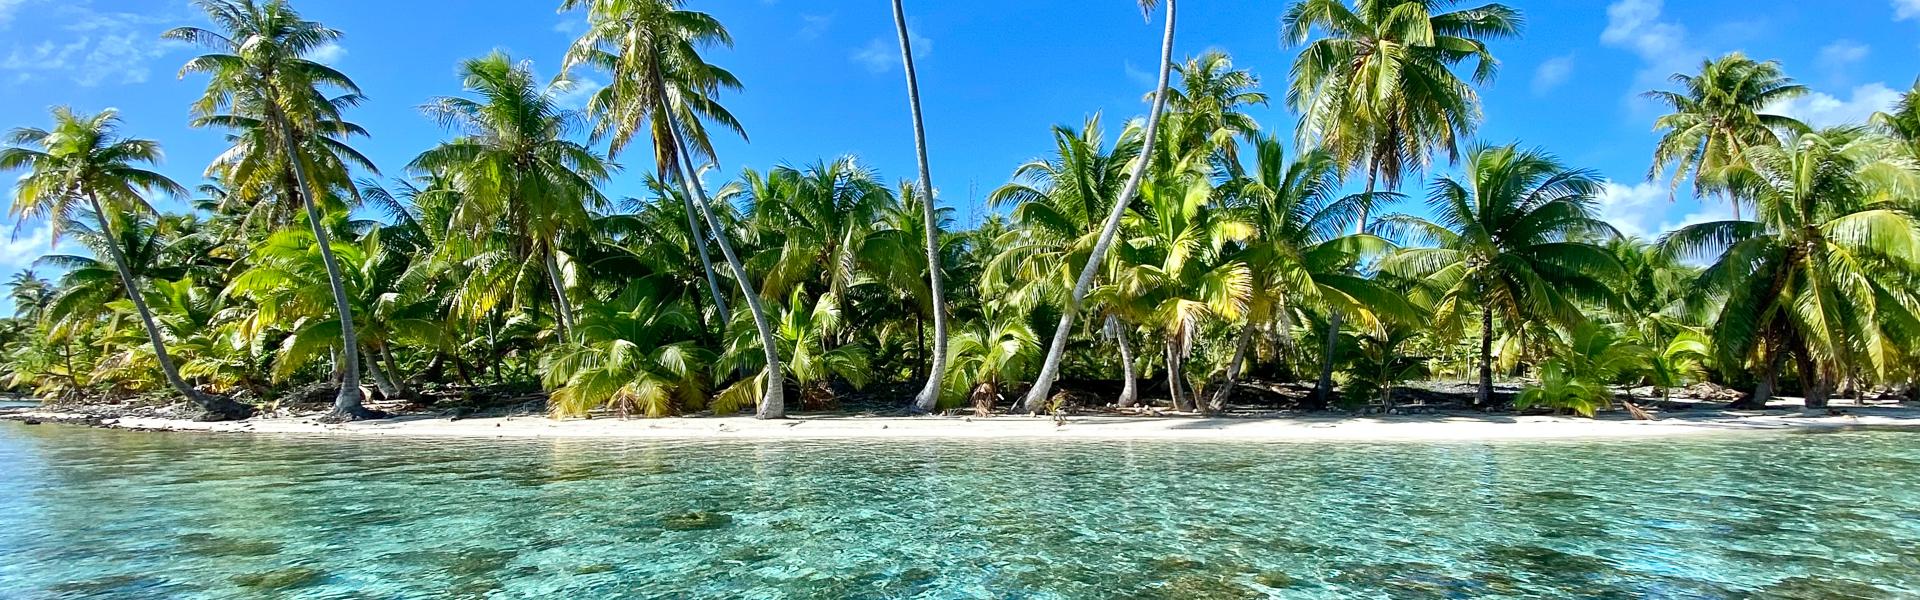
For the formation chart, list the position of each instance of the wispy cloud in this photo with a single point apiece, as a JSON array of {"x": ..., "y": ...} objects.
[
  {"x": 1906, "y": 9},
  {"x": 1821, "y": 109},
  {"x": 1837, "y": 59},
  {"x": 1140, "y": 76},
  {"x": 1550, "y": 74},
  {"x": 7, "y": 9},
  {"x": 19, "y": 249},
  {"x": 330, "y": 54},
  {"x": 570, "y": 27},
  {"x": 813, "y": 26},
  {"x": 574, "y": 94},
  {"x": 1663, "y": 46},
  {"x": 1636, "y": 209},
  {"x": 100, "y": 47},
  {"x": 883, "y": 54}
]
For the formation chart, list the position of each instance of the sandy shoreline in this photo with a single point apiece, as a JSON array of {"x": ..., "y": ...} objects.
[{"x": 1434, "y": 427}]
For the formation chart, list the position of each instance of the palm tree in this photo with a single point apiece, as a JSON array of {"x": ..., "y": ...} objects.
[
  {"x": 635, "y": 353},
  {"x": 514, "y": 165},
  {"x": 1502, "y": 242},
  {"x": 258, "y": 68},
  {"x": 988, "y": 358},
  {"x": 1057, "y": 349},
  {"x": 83, "y": 165},
  {"x": 650, "y": 47},
  {"x": 31, "y": 295},
  {"x": 1716, "y": 116},
  {"x": 1299, "y": 254},
  {"x": 1824, "y": 273},
  {"x": 929, "y": 396},
  {"x": 1059, "y": 206},
  {"x": 1903, "y": 121},
  {"x": 1379, "y": 91},
  {"x": 651, "y": 50},
  {"x": 1212, "y": 97}
]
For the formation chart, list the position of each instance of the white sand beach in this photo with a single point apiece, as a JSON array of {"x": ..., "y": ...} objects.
[{"x": 1432, "y": 427}]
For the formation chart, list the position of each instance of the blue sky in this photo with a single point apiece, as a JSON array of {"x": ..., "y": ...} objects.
[{"x": 823, "y": 77}]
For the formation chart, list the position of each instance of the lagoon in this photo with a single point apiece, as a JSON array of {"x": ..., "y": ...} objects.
[{"x": 93, "y": 513}]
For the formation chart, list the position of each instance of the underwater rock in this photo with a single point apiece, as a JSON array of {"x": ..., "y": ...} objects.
[
  {"x": 280, "y": 579},
  {"x": 695, "y": 521}
]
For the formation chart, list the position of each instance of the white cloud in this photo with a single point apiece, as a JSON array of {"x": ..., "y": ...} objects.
[
  {"x": 812, "y": 26},
  {"x": 1820, "y": 109},
  {"x": 1551, "y": 74},
  {"x": 1141, "y": 76},
  {"x": 574, "y": 94},
  {"x": 7, "y": 9},
  {"x": 570, "y": 27},
  {"x": 329, "y": 54},
  {"x": 20, "y": 249},
  {"x": 1839, "y": 57},
  {"x": 1663, "y": 46},
  {"x": 1906, "y": 9},
  {"x": 104, "y": 47},
  {"x": 883, "y": 54},
  {"x": 1635, "y": 209}
]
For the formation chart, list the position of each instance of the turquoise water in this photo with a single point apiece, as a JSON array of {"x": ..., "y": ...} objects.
[{"x": 89, "y": 513}]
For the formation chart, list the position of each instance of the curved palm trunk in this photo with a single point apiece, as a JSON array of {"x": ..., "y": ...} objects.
[
  {"x": 1483, "y": 396},
  {"x": 930, "y": 394},
  {"x": 1220, "y": 398},
  {"x": 699, "y": 241},
  {"x": 773, "y": 400},
  {"x": 1129, "y": 375},
  {"x": 562, "y": 307},
  {"x": 348, "y": 405},
  {"x": 218, "y": 409},
  {"x": 382, "y": 380},
  {"x": 1174, "y": 388},
  {"x": 1050, "y": 370}
]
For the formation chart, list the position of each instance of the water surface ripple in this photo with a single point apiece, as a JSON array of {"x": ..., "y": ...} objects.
[{"x": 88, "y": 513}]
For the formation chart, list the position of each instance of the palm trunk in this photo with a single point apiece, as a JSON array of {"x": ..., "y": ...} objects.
[
  {"x": 393, "y": 369},
  {"x": 1180, "y": 401},
  {"x": 1220, "y": 398},
  {"x": 1483, "y": 397},
  {"x": 562, "y": 308},
  {"x": 382, "y": 381},
  {"x": 1050, "y": 369},
  {"x": 1768, "y": 379},
  {"x": 217, "y": 409},
  {"x": 1129, "y": 375},
  {"x": 347, "y": 406},
  {"x": 1815, "y": 383},
  {"x": 1323, "y": 389},
  {"x": 699, "y": 242},
  {"x": 930, "y": 394},
  {"x": 772, "y": 401}
]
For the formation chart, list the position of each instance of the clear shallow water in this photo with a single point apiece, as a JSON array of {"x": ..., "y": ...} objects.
[{"x": 88, "y": 513}]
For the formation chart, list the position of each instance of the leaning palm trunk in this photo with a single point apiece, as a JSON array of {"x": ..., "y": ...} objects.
[
  {"x": 772, "y": 401},
  {"x": 697, "y": 237},
  {"x": 930, "y": 394},
  {"x": 1220, "y": 398},
  {"x": 1049, "y": 370},
  {"x": 218, "y": 409},
  {"x": 562, "y": 308},
  {"x": 1483, "y": 396},
  {"x": 347, "y": 406},
  {"x": 1130, "y": 378},
  {"x": 1323, "y": 389}
]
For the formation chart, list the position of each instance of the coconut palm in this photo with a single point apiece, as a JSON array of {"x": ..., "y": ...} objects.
[
  {"x": 990, "y": 357},
  {"x": 1300, "y": 256},
  {"x": 1058, "y": 208},
  {"x": 1213, "y": 97},
  {"x": 807, "y": 354},
  {"x": 83, "y": 165},
  {"x": 259, "y": 70},
  {"x": 514, "y": 165},
  {"x": 635, "y": 353},
  {"x": 1056, "y": 350},
  {"x": 1824, "y": 272},
  {"x": 929, "y": 395},
  {"x": 1501, "y": 240},
  {"x": 660, "y": 84},
  {"x": 1903, "y": 120},
  {"x": 1378, "y": 89},
  {"x": 1718, "y": 114},
  {"x": 31, "y": 295}
]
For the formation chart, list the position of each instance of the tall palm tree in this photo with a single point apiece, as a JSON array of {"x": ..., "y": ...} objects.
[
  {"x": 514, "y": 165},
  {"x": 1825, "y": 272},
  {"x": 1057, "y": 349},
  {"x": 1718, "y": 114},
  {"x": 929, "y": 396},
  {"x": 651, "y": 50},
  {"x": 1213, "y": 97},
  {"x": 1502, "y": 241},
  {"x": 258, "y": 68},
  {"x": 1379, "y": 91},
  {"x": 83, "y": 165},
  {"x": 31, "y": 295}
]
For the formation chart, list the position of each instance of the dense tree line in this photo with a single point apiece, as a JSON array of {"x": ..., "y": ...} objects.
[{"x": 1192, "y": 247}]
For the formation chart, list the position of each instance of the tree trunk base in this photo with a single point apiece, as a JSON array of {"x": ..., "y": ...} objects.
[{"x": 222, "y": 408}]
